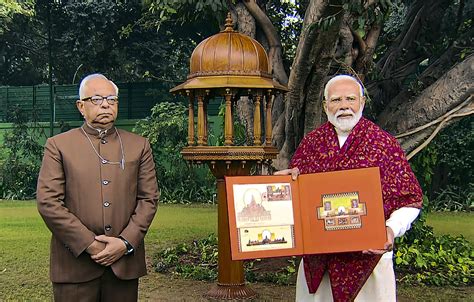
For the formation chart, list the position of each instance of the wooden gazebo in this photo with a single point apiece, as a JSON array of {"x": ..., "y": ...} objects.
[{"x": 229, "y": 65}]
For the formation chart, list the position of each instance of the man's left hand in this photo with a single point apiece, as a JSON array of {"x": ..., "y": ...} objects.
[
  {"x": 388, "y": 246},
  {"x": 114, "y": 249}
]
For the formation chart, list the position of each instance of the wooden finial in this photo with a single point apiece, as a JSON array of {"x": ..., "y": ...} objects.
[{"x": 228, "y": 23}]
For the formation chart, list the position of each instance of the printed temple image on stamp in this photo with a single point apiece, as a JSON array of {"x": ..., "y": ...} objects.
[{"x": 341, "y": 211}]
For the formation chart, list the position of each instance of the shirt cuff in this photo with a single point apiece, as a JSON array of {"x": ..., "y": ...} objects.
[{"x": 400, "y": 220}]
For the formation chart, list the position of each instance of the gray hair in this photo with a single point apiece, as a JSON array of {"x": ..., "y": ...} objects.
[
  {"x": 84, "y": 81},
  {"x": 339, "y": 78}
]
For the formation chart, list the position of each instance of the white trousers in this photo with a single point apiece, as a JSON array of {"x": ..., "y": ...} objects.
[{"x": 379, "y": 287}]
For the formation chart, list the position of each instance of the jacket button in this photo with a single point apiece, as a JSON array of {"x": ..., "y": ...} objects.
[
  {"x": 106, "y": 204},
  {"x": 103, "y": 141},
  {"x": 105, "y": 182},
  {"x": 108, "y": 228}
]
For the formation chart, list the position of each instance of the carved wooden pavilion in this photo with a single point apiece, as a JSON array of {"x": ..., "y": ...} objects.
[{"x": 229, "y": 65}]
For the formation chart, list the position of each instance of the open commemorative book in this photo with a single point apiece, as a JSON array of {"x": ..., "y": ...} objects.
[{"x": 331, "y": 212}]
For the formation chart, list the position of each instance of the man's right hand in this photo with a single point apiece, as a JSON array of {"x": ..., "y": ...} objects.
[
  {"x": 95, "y": 247},
  {"x": 294, "y": 172}
]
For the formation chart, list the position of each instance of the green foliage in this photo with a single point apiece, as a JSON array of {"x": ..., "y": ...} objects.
[
  {"x": 166, "y": 130},
  {"x": 453, "y": 198},
  {"x": 287, "y": 18},
  {"x": 180, "y": 11},
  {"x": 116, "y": 38},
  {"x": 240, "y": 134},
  {"x": 444, "y": 168},
  {"x": 20, "y": 167},
  {"x": 455, "y": 145},
  {"x": 198, "y": 261},
  {"x": 423, "y": 258},
  {"x": 9, "y": 8},
  {"x": 363, "y": 18},
  {"x": 423, "y": 165}
]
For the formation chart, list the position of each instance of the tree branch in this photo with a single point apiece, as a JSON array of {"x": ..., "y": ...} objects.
[
  {"x": 405, "y": 39},
  {"x": 436, "y": 102},
  {"x": 275, "y": 53},
  {"x": 446, "y": 121},
  {"x": 367, "y": 51},
  {"x": 369, "y": 3}
]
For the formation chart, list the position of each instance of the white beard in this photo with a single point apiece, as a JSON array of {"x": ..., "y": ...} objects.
[{"x": 345, "y": 125}]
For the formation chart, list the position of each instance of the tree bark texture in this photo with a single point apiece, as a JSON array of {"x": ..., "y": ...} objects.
[
  {"x": 275, "y": 53},
  {"x": 247, "y": 25},
  {"x": 405, "y": 54},
  {"x": 339, "y": 49},
  {"x": 449, "y": 91},
  {"x": 310, "y": 67},
  {"x": 245, "y": 22}
]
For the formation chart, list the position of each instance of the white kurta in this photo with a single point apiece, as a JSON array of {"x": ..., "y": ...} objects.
[
  {"x": 379, "y": 287},
  {"x": 381, "y": 283}
]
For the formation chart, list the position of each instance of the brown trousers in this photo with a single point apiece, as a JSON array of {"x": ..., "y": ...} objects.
[{"x": 103, "y": 289}]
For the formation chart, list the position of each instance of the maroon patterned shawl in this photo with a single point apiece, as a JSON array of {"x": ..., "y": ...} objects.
[{"x": 366, "y": 146}]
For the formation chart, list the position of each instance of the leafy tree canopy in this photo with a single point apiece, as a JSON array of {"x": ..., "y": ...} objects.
[
  {"x": 119, "y": 39},
  {"x": 9, "y": 8}
]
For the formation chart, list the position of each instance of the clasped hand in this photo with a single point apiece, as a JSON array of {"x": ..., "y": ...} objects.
[{"x": 106, "y": 250}]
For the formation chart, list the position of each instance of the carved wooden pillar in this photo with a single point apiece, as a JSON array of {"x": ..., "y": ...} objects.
[
  {"x": 206, "y": 120},
  {"x": 268, "y": 120},
  {"x": 201, "y": 120},
  {"x": 257, "y": 122},
  {"x": 228, "y": 123},
  {"x": 190, "y": 118}
]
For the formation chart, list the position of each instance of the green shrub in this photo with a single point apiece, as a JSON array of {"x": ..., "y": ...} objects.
[
  {"x": 198, "y": 261},
  {"x": 166, "y": 129},
  {"x": 420, "y": 258},
  {"x": 239, "y": 132},
  {"x": 22, "y": 153},
  {"x": 455, "y": 199},
  {"x": 445, "y": 168},
  {"x": 423, "y": 258}
]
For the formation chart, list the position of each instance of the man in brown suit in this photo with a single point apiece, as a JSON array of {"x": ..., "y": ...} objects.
[{"x": 97, "y": 193}]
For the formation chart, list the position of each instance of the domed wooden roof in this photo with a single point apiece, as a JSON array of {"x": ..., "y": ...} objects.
[
  {"x": 229, "y": 53},
  {"x": 229, "y": 59}
]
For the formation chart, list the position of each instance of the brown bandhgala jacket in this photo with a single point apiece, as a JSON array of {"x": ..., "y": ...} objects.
[{"x": 79, "y": 197}]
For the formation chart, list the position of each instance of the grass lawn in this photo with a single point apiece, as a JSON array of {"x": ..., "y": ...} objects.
[
  {"x": 453, "y": 224},
  {"x": 24, "y": 242}
]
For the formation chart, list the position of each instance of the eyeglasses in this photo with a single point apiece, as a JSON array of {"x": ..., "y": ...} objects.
[{"x": 97, "y": 99}]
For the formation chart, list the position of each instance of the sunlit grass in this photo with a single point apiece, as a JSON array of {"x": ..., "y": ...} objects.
[
  {"x": 452, "y": 224},
  {"x": 24, "y": 241}
]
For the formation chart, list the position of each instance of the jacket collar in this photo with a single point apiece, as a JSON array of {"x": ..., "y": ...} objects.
[{"x": 98, "y": 133}]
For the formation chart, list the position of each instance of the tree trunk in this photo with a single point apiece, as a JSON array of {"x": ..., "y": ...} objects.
[
  {"x": 244, "y": 107},
  {"x": 275, "y": 54},
  {"x": 451, "y": 90},
  {"x": 310, "y": 67},
  {"x": 404, "y": 55}
]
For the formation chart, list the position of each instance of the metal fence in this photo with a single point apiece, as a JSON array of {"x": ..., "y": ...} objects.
[{"x": 135, "y": 100}]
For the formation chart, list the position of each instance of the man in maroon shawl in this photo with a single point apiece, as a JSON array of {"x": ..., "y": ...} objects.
[{"x": 349, "y": 141}]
